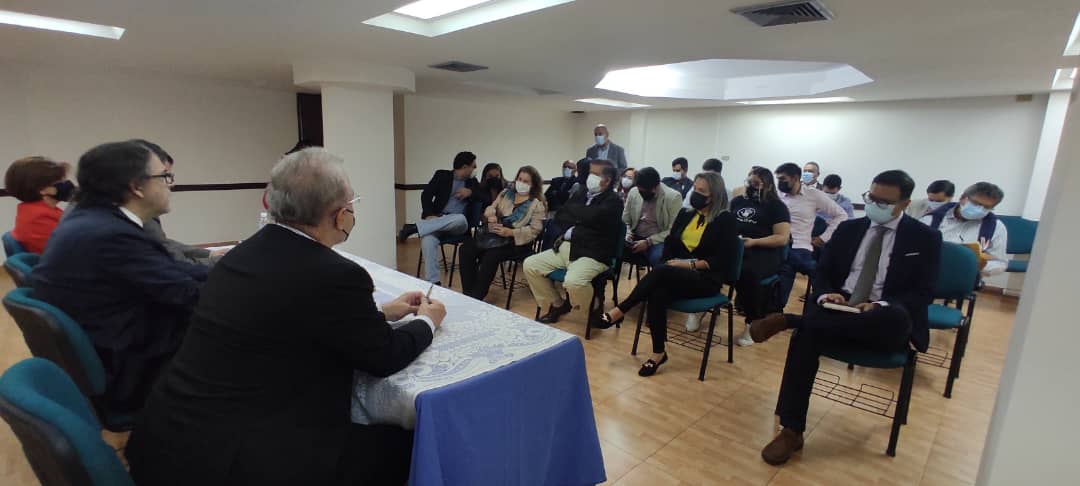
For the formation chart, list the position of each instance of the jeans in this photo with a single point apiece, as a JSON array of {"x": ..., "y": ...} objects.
[
  {"x": 798, "y": 261},
  {"x": 430, "y": 232}
]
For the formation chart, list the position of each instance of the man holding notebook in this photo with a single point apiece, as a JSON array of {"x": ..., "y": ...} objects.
[{"x": 871, "y": 290}]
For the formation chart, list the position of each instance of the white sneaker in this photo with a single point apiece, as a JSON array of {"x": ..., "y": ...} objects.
[
  {"x": 693, "y": 322},
  {"x": 745, "y": 339}
]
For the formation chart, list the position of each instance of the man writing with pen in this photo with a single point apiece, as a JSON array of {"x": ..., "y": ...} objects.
[{"x": 261, "y": 388}]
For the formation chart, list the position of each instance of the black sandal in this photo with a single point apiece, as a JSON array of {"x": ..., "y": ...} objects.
[
  {"x": 603, "y": 321},
  {"x": 651, "y": 367}
]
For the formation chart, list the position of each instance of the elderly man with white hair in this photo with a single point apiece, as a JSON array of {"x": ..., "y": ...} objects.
[{"x": 259, "y": 392}]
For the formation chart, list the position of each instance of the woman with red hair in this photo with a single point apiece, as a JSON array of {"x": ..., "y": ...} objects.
[{"x": 41, "y": 184}]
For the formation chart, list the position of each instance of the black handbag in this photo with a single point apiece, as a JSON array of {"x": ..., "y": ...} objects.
[{"x": 486, "y": 240}]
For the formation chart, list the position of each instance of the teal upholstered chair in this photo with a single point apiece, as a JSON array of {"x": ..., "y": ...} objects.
[
  {"x": 58, "y": 431},
  {"x": 19, "y": 267},
  {"x": 1021, "y": 240},
  {"x": 11, "y": 246},
  {"x": 958, "y": 273},
  {"x": 51, "y": 334},
  {"x": 712, "y": 305}
]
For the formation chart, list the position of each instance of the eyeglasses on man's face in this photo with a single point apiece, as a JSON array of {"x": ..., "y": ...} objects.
[
  {"x": 870, "y": 199},
  {"x": 166, "y": 176}
]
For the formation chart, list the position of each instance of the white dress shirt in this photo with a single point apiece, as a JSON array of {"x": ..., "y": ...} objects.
[
  {"x": 956, "y": 230},
  {"x": 427, "y": 320},
  {"x": 804, "y": 208},
  {"x": 887, "y": 242},
  {"x": 132, "y": 216}
]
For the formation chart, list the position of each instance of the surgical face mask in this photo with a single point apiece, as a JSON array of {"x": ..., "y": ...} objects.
[
  {"x": 880, "y": 215},
  {"x": 972, "y": 212},
  {"x": 807, "y": 177},
  {"x": 627, "y": 183},
  {"x": 784, "y": 186},
  {"x": 600, "y": 139},
  {"x": 834, "y": 197},
  {"x": 521, "y": 187},
  {"x": 934, "y": 205},
  {"x": 593, "y": 183},
  {"x": 677, "y": 176},
  {"x": 64, "y": 190},
  {"x": 567, "y": 172}
]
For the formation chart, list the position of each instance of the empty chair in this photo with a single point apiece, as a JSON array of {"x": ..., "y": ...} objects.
[
  {"x": 19, "y": 267},
  {"x": 1021, "y": 240},
  {"x": 11, "y": 246},
  {"x": 56, "y": 427},
  {"x": 53, "y": 335}
]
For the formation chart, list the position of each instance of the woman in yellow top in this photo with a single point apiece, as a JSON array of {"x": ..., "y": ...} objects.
[{"x": 697, "y": 254}]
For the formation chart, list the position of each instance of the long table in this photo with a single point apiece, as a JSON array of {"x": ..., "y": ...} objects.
[{"x": 496, "y": 398}]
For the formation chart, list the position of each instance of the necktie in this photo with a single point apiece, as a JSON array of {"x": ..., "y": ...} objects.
[{"x": 868, "y": 275}]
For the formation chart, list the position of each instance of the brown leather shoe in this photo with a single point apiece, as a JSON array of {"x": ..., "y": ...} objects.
[
  {"x": 766, "y": 327},
  {"x": 782, "y": 447}
]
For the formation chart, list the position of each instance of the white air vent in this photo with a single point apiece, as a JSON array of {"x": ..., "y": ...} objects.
[
  {"x": 786, "y": 12},
  {"x": 458, "y": 67}
]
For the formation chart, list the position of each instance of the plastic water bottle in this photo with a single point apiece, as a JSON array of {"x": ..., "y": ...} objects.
[{"x": 264, "y": 219}]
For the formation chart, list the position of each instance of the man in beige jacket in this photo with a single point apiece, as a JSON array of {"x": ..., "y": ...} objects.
[{"x": 650, "y": 210}]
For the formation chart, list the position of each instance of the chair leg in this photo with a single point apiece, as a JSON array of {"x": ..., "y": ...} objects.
[
  {"x": 637, "y": 333},
  {"x": 851, "y": 366},
  {"x": 442, "y": 249},
  {"x": 598, "y": 295},
  {"x": 614, "y": 293},
  {"x": 419, "y": 263},
  {"x": 902, "y": 404},
  {"x": 731, "y": 334},
  {"x": 453, "y": 265},
  {"x": 537, "y": 318},
  {"x": 708, "y": 345},
  {"x": 957, "y": 358},
  {"x": 502, "y": 274},
  {"x": 513, "y": 279}
]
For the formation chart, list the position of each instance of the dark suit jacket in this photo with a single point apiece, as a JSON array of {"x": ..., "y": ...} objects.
[
  {"x": 123, "y": 288},
  {"x": 264, "y": 379},
  {"x": 913, "y": 266},
  {"x": 615, "y": 154},
  {"x": 596, "y": 226},
  {"x": 718, "y": 243},
  {"x": 437, "y": 192},
  {"x": 179, "y": 251}
]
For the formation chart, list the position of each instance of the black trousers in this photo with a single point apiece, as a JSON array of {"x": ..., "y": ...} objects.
[
  {"x": 758, "y": 263},
  {"x": 376, "y": 455},
  {"x": 478, "y": 266},
  {"x": 882, "y": 329},
  {"x": 662, "y": 286}
]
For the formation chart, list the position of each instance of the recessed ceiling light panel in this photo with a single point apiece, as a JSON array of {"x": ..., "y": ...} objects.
[
  {"x": 60, "y": 25},
  {"x": 429, "y": 9},
  {"x": 610, "y": 102},
  {"x": 432, "y": 18},
  {"x": 798, "y": 101}
]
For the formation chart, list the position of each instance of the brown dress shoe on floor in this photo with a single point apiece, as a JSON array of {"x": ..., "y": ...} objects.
[
  {"x": 766, "y": 327},
  {"x": 782, "y": 447}
]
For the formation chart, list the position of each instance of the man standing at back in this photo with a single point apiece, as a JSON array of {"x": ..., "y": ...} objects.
[
  {"x": 445, "y": 200},
  {"x": 804, "y": 203},
  {"x": 113, "y": 278},
  {"x": 260, "y": 392},
  {"x": 605, "y": 149}
]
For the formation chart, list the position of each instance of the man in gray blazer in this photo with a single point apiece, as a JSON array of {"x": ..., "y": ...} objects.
[
  {"x": 649, "y": 213},
  {"x": 605, "y": 149}
]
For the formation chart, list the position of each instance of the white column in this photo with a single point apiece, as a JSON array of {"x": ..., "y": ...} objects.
[
  {"x": 1056, "y": 108},
  {"x": 1033, "y": 431},
  {"x": 358, "y": 125}
]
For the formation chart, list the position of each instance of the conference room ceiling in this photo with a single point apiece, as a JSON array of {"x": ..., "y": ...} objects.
[{"x": 912, "y": 49}]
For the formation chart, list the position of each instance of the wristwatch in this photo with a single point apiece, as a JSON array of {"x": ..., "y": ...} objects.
[{"x": 693, "y": 264}]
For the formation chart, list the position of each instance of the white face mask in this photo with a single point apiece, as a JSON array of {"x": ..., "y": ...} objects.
[
  {"x": 934, "y": 205},
  {"x": 834, "y": 197},
  {"x": 521, "y": 187},
  {"x": 677, "y": 176},
  {"x": 600, "y": 139},
  {"x": 627, "y": 183},
  {"x": 567, "y": 172},
  {"x": 593, "y": 183}
]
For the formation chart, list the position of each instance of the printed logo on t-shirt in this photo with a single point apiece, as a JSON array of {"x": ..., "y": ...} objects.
[{"x": 747, "y": 215}]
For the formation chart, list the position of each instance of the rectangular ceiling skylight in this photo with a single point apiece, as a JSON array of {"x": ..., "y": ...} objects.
[
  {"x": 797, "y": 101},
  {"x": 610, "y": 102},
  {"x": 1072, "y": 47},
  {"x": 60, "y": 25},
  {"x": 432, "y": 18},
  {"x": 429, "y": 9}
]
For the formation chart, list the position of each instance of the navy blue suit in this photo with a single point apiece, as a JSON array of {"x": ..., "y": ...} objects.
[
  {"x": 909, "y": 280},
  {"x": 125, "y": 290}
]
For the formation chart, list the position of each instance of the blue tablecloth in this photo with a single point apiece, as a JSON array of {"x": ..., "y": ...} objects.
[{"x": 529, "y": 423}]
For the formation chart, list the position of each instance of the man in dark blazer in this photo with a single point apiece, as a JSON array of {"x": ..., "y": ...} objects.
[
  {"x": 884, "y": 265},
  {"x": 113, "y": 278},
  {"x": 592, "y": 218},
  {"x": 260, "y": 391},
  {"x": 446, "y": 201},
  {"x": 605, "y": 149}
]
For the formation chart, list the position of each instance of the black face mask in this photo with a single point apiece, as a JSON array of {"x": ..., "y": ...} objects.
[
  {"x": 784, "y": 186},
  {"x": 753, "y": 193},
  {"x": 699, "y": 201},
  {"x": 494, "y": 183},
  {"x": 64, "y": 190},
  {"x": 648, "y": 196}
]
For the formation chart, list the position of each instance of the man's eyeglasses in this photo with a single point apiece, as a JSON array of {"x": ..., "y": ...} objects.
[
  {"x": 869, "y": 199},
  {"x": 168, "y": 177}
]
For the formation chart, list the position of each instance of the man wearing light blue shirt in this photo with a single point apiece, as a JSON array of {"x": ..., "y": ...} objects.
[{"x": 605, "y": 149}]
